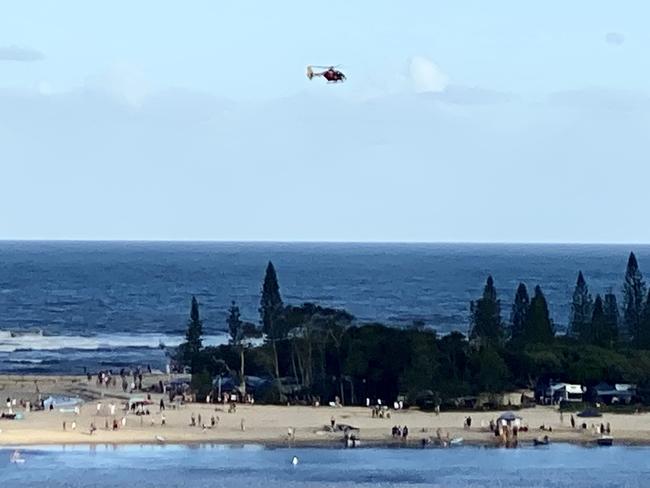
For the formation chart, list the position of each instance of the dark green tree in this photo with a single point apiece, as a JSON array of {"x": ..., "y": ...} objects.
[
  {"x": 581, "y": 310},
  {"x": 520, "y": 308},
  {"x": 271, "y": 306},
  {"x": 644, "y": 337},
  {"x": 271, "y": 311},
  {"x": 634, "y": 291},
  {"x": 538, "y": 328},
  {"x": 236, "y": 330},
  {"x": 610, "y": 308},
  {"x": 596, "y": 331},
  {"x": 189, "y": 352},
  {"x": 235, "y": 324},
  {"x": 194, "y": 329},
  {"x": 485, "y": 315},
  {"x": 490, "y": 372}
]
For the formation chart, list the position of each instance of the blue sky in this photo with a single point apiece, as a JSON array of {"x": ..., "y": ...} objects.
[{"x": 194, "y": 120}]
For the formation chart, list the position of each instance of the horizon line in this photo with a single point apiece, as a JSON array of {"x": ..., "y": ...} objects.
[{"x": 327, "y": 241}]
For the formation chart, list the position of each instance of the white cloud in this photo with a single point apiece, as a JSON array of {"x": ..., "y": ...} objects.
[
  {"x": 426, "y": 76},
  {"x": 614, "y": 38},
  {"x": 45, "y": 88},
  {"x": 17, "y": 53},
  {"x": 123, "y": 82}
]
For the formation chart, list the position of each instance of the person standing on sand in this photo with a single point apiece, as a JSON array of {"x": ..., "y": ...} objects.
[
  {"x": 243, "y": 424},
  {"x": 200, "y": 420},
  {"x": 573, "y": 422},
  {"x": 74, "y": 425},
  {"x": 99, "y": 407},
  {"x": 64, "y": 426},
  {"x": 332, "y": 422},
  {"x": 162, "y": 404}
]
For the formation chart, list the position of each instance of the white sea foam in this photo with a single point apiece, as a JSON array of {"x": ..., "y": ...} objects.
[{"x": 36, "y": 341}]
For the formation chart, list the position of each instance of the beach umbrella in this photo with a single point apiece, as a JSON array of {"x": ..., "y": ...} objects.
[{"x": 509, "y": 417}]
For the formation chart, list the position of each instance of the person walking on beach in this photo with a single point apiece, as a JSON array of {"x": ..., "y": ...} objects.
[
  {"x": 213, "y": 421},
  {"x": 192, "y": 421},
  {"x": 200, "y": 420},
  {"x": 573, "y": 422},
  {"x": 112, "y": 408},
  {"x": 405, "y": 432},
  {"x": 243, "y": 424},
  {"x": 162, "y": 404},
  {"x": 74, "y": 425},
  {"x": 64, "y": 426},
  {"x": 332, "y": 422}
]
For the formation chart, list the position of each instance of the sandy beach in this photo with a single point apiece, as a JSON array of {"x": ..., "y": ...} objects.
[{"x": 268, "y": 424}]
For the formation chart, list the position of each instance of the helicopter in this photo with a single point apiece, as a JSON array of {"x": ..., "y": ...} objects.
[{"x": 331, "y": 74}]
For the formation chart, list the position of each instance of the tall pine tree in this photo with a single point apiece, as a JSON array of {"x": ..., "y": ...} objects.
[
  {"x": 520, "y": 308},
  {"x": 271, "y": 306},
  {"x": 596, "y": 331},
  {"x": 486, "y": 325},
  {"x": 538, "y": 328},
  {"x": 271, "y": 311},
  {"x": 581, "y": 309},
  {"x": 610, "y": 308},
  {"x": 644, "y": 337},
  {"x": 194, "y": 329},
  {"x": 236, "y": 330},
  {"x": 634, "y": 291},
  {"x": 190, "y": 349}
]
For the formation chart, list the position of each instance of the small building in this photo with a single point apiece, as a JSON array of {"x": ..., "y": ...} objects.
[
  {"x": 617, "y": 394},
  {"x": 512, "y": 399},
  {"x": 564, "y": 392}
]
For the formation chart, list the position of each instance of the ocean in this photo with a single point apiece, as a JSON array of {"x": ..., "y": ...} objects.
[
  {"x": 69, "y": 305},
  {"x": 253, "y": 466}
]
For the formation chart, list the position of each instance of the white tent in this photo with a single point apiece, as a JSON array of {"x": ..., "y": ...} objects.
[
  {"x": 61, "y": 401},
  {"x": 565, "y": 392}
]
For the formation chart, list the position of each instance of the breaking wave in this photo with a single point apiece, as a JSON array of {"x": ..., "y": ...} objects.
[{"x": 37, "y": 341}]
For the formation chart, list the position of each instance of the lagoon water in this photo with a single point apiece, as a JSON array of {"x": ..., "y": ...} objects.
[
  {"x": 254, "y": 466},
  {"x": 111, "y": 304}
]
